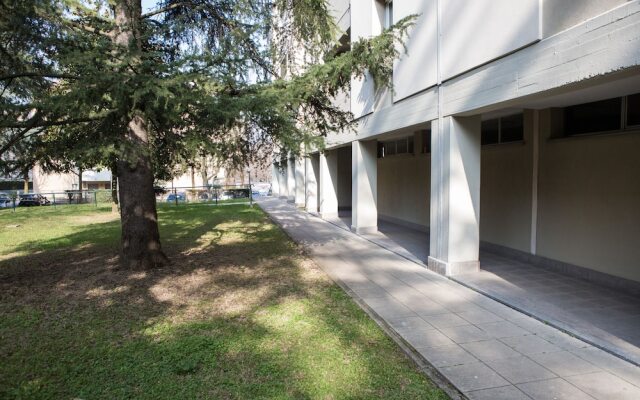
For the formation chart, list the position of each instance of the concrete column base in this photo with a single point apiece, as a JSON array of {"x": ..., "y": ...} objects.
[
  {"x": 328, "y": 215},
  {"x": 452, "y": 268},
  {"x": 364, "y": 230},
  {"x": 301, "y": 205}
]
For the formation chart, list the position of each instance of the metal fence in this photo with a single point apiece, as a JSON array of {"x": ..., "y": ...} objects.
[
  {"x": 213, "y": 194},
  {"x": 14, "y": 200}
]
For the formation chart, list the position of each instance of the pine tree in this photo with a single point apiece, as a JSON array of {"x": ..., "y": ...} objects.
[{"x": 101, "y": 83}]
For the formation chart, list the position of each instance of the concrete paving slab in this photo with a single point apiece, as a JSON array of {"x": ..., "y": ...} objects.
[
  {"x": 410, "y": 324},
  {"x": 489, "y": 350},
  {"x": 393, "y": 289},
  {"x": 447, "y": 356},
  {"x": 473, "y": 376},
  {"x": 501, "y": 393},
  {"x": 431, "y": 338},
  {"x": 502, "y": 329},
  {"x": 605, "y": 386},
  {"x": 445, "y": 320},
  {"x": 553, "y": 389},
  {"x": 596, "y": 314},
  {"x": 465, "y": 333},
  {"x": 530, "y": 344},
  {"x": 520, "y": 370},
  {"x": 563, "y": 363}
]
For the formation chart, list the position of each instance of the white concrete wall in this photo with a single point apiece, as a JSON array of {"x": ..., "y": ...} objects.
[
  {"x": 403, "y": 189},
  {"x": 475, "y": 32},
  {"x": 589, "y": 197},
  {"x": 505, "y": 191},
  {"x": 364, "y": 173},
  {"x": 365, "y": 23},
  {"x": 592, "y": 49},
  {"x": 417, "y": 69},
  {"x": 558, "y": 15},
  {"x": 328, "y": 176}
]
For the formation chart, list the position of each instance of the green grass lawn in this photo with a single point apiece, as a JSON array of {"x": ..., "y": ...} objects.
[{"x": 240, "y": 313}]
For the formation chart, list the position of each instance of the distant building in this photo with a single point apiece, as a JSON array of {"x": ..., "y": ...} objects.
[{"x": 44, "y": 182}]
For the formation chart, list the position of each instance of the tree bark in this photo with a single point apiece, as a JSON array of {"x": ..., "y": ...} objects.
[
  {"x": 204, "y": 171},
  {"x": 140, "y": 244},
  {"x": 26, "y": 181},
  {"x": 80, "y": 198},
  {"x": 114, "y": 188},
  {"x": 140, "y": 241}
]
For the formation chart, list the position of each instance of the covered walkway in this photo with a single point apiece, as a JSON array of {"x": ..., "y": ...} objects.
[
  {"x": 482, "y": 348},
  {"x": 598, "y": 315}
]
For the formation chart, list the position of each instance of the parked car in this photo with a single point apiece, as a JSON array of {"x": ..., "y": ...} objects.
[
  {"x": 179, "y": 197},
  {"x": 226, "y": 195},
  {"x": 159, "y": 190},
  {"x": 31, "y": 200},
  {"x": 5, "y": 200}
]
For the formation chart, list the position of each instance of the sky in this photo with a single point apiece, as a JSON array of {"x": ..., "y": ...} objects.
[{"x": 148, "y": 5}]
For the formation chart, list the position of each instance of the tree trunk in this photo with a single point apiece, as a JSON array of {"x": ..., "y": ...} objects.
[
  {"x": 80, "y": 185},
  {"x": 25, "y": 187},
  {"x": 140, "y": 242},
  {"x": 114, "y": 188},
  {"x": 204, "y": 171}
]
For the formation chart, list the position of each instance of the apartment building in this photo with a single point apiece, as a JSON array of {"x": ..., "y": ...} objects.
[{"x": 513, "y": 126}]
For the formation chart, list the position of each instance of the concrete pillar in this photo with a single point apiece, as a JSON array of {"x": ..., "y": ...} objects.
[
  {"x": 364, "y": 181},
  {"x": 455, "y": 195},
  {"x": 299, "y": 195},
  {"x": 275, "y": 180},
  {"x": 312, "y": 171},
  {"x": 329, "y": 184},
  {"x": 291, "y": 180},
  {"x": 282, "y": 180}
]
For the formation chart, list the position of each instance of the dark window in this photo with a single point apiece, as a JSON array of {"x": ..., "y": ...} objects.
[
  {"x": 389, "y": 148},
  {"x": 490, "y": 131},
  {"x": 380, "y": 150},
  {"x": 410, "y": 145},
  {"x": 107, "y": 185},
  {"x": 599, "y": 116},
  {"x": 633, "y": 110},
  {"x": 401, "y": 146},
  {"x": 512, "y": 128},
  {"x": 426, "y": 141}
]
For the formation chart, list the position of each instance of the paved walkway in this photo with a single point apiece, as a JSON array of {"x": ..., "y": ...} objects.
[
  {"x": 483, "y": 348},
  {"x": 603, "y": 317}
]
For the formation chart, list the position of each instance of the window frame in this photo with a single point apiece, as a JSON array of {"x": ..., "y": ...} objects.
[
  {"x": 409, "y": 143},
  {"x": 625, "y": 127},
  {"x": 500, "y": 142}
]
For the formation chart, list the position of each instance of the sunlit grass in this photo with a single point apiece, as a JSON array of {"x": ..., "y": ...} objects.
[{"x": 239, "y": 314}]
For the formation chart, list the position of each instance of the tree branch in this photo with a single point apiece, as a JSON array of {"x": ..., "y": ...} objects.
[
  {"x": 30, "y": 124},
  {"x": 37, "y": 75},
  {"x": 44, "y": 123},
  {"x": 89, "y": 29},
  {"x": 164, "y": 9}
]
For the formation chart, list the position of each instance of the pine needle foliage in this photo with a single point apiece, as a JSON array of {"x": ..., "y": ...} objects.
[{"x": 206, "y": 78}]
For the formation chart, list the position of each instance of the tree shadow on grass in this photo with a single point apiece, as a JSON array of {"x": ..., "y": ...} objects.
[{"x": 235, "y": 315}]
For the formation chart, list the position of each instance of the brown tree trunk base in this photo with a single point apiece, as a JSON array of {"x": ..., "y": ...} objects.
[{"x": 140, "y": 242}]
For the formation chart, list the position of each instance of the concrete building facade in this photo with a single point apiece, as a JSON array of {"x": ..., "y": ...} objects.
[{"x": 512, "y": 127}]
